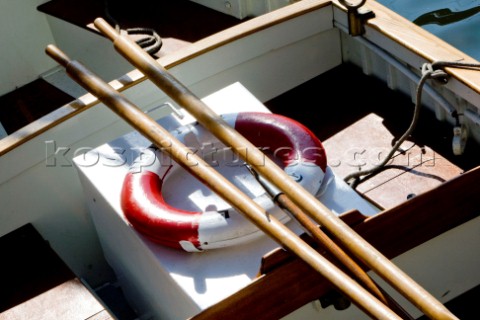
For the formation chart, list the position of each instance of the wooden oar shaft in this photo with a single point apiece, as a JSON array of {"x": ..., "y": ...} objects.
[
  {"x": 331, "y": 247},
  {"x": 267, "y": 168},
  {"x": 327, "y": 244},
  {"x": 220, "y": 185}
]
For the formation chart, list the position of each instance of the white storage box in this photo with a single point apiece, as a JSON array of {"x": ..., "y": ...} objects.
[{"x": 164, "y": 282}]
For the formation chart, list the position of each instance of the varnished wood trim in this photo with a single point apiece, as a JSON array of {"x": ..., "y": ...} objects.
[
  {"x": 134, "y": 77},
  {"x": 421, "y": 42},
  {"x": 280, "y": 256}
]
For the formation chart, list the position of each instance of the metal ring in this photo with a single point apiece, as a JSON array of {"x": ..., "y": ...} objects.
[{"x": 351, "y": 6}]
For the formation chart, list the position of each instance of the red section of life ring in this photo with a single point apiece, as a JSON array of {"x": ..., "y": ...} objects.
[
  {"x": 288, "y": 139},
  {"x": 147, "y": 211}
]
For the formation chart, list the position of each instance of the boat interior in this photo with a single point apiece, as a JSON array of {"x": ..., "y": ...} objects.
[
  {"x": 41, "y": 96},
  {"x": 354, "y": 112}
]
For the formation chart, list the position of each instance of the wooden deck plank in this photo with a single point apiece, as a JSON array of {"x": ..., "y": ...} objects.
[
  {"x": 69, "y": 300},
  {"x": 29, "y": 267},
  {"x": 365, "y": 143},
  {"x": 37, "y": 285}
]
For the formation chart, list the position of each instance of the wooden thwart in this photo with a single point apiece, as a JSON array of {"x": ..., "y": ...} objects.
[{"x": 339, "y": 256}]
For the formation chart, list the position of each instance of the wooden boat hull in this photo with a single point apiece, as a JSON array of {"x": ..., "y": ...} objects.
[{"x": 262, "y": 54}]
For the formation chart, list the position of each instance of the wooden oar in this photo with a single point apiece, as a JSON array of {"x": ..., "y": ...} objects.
[
  {"x": 220, "y": 185},
  {"x": 268, "y": 169},
  {"x": 331, "y": 247},
  {"x": 325, "y": 242}
]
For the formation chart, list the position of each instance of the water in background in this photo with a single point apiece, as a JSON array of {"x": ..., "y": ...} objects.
[{"x": 455, "y": 21}]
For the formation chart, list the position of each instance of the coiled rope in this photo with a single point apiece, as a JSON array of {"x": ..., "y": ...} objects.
[
  {"x": 429, "y": 71},
  {"x": 150, "y": 41}
]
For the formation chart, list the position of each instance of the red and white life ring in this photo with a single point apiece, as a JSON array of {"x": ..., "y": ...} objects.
[{"x": 217, "y": 225}]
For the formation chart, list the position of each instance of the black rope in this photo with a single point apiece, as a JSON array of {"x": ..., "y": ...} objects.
[{"x": 429, "y": 71}]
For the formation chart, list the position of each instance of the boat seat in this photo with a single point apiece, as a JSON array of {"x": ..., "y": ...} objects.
[{"x": 162, "y": 16}]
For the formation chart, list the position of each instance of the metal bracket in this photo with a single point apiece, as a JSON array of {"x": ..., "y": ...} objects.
[
  {"x": 335, "y": 299},
  {"x": 460, "y": 136},
  {"x": 357, "y": 15}
]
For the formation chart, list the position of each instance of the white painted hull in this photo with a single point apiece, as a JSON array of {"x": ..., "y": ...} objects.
[{"x": 39, "y": 184}]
